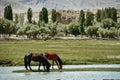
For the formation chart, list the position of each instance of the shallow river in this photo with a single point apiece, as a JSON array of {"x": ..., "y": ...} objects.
[{"x": 7, "y": 74}]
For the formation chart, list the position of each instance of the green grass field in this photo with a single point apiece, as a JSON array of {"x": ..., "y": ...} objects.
[{"x": 71, "y": 51}]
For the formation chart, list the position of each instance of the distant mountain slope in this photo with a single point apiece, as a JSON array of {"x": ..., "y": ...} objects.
[{"x": 36, "y": 5}]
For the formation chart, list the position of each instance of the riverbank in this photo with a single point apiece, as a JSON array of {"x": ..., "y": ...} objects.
[
  {"x": 71, "y": 69},
  {"x": 70, "y": 51},
  {"x": 95, "y": 67}
]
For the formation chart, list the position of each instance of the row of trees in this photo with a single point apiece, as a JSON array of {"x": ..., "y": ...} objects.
[
  {"x": 88, "y": 24},
  {"x": 106, "y": 29},
  {"x": 43, "y": 15},
  {"x": 106, "y": 13}
]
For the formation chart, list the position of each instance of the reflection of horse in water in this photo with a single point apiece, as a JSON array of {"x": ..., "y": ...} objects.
[
  {"x": 37, "y": 58},
  {"x": 54, "y": 57}
]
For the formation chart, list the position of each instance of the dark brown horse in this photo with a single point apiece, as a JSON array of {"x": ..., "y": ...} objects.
[
  {"x": 37, "y": 58},
  {"x": 54, "y": 57}
]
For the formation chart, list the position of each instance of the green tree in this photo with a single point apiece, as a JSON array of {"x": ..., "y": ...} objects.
[
  {"x": 98, "y": 15},
  {"x": 21, "y": 18},
  {"x": 31, "y": 30},
  {"x": 107, "y": 12},
  {"x": 74, "y": 28},
  {"x": 66, "y": 29},
  {"x": 54, "y": 15},
  {"x": 92, "y": 31},
  {"x": 8, "y": 14},
  {"x": 89, "y": 18},
  {"x": 82, "y": 21},
  {"x": 45, "y": 14},
  {"x": 40, "y": 16},
  {"x": 53, "y": 29},
  {"x": 108, "y": 23},
  {"x": 114, "y": 14},
  {"x": 102, "y": 14},
  {"x": 7, "y": 27},
  {"x": 29, "y": 15},
  {"x": 16, "y": 18},
  {"x": 2, "y": 26}
]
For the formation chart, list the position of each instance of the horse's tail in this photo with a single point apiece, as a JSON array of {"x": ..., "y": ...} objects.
[
  {"x": 60, "y": 62},
  {"x": 25, "y": 62}
]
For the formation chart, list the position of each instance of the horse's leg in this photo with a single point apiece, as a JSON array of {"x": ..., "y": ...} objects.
[
  {"x": 29, "y": 64},
  {"x": 39, "y": 66},
  {"x": 57, "y": 65},
  {"x": 44, "y": 66},
  {"x": 52, "y": 64}
]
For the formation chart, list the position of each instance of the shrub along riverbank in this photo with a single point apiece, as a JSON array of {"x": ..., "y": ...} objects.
[{"x": 70, "y": 51}]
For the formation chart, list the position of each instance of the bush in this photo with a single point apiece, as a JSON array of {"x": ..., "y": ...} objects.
[
  {"x": 53, "y": 29},
  {"x": 7, "y": 27},
  {"x": 111, "y": 33},
  {"x": 65, "y": 29},
  {"x": 74, "y": 28},
  {"x": 118, "y": 32},
  {"x": 92, "y": 31},
  {"x": 30, "y": 30},
  {"x": 103, "y": 32},
  {"x": 108, "y": 23}
]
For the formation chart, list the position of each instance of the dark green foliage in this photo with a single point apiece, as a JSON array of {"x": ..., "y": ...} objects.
[
  {"x": 54, "y": 15},
  {"x": 29, "y": 15},
  {"x": 108, "y": 23},
  {"x": 106, "y": 13},
  {"x": 102, "y": 14},
  {"x": 108, "y": 29},
  {"x": 40, "y": 16},
  {"x": 114, "y": 14},
  {"x": 92, "y": 31},
  {"x": 89, "y": 18},
  {"x": 82, "y": 17},
  {"x": 8, "y": 13},
  {"x": 98, "y": 15},
  {"x": 82, "y": 21},
  {"x": 7, "y": 27},
  {"x": 45, "y": 14},
  {"x": 74, "y": 28}
]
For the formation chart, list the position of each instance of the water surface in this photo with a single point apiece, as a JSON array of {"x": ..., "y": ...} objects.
[{"x": 7, "y": 74}]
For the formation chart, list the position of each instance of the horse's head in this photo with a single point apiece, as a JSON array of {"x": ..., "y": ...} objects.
[
  {"x": 46, "y": 63},
  {"x": 48, "y": 68}
]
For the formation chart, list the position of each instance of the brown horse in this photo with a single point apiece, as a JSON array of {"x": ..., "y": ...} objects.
[
  {"x": 37, "y": 58},
  {"x": 54, "y": 57}
]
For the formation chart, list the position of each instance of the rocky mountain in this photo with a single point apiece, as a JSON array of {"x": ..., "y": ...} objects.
[{"x": 36, "y": 5}]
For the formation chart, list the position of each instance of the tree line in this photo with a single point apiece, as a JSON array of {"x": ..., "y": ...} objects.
[{"x": 103, "y": 24}]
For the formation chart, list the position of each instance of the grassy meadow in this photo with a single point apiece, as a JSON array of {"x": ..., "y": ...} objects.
[{"x": 70, "y": 51}]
